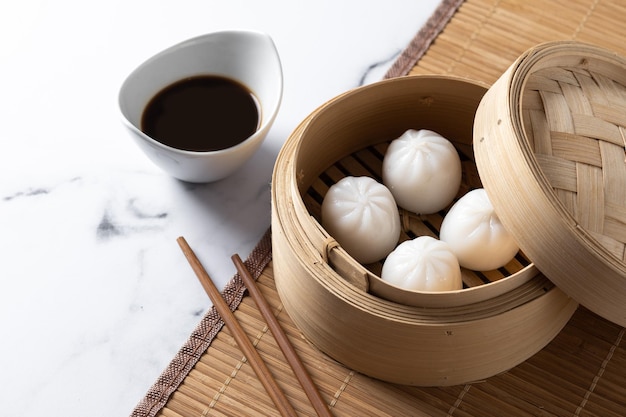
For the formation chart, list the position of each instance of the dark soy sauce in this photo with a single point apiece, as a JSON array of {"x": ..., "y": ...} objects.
[{"x": 201, "y": 113}]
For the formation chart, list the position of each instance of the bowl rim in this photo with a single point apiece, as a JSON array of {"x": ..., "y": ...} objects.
[{"x": 268, "y": 115}]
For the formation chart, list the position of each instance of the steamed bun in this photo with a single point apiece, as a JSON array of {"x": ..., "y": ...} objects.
[
  {"x": 475, "y": 233},
  {"x": 423, "y": 264},
  {"x": 362, "y": 216},
  {"x": 422, "y": 169}
]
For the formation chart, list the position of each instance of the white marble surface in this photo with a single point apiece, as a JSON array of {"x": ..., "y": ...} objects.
[{"x": 95, "y": 295}]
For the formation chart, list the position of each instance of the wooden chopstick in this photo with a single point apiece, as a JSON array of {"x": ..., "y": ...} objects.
[
  {"x": 249, "y": 351},
  {"x": 320, "y": 406}
]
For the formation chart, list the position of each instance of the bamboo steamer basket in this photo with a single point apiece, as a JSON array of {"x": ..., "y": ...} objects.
[
  {"x": 557, "y": 119},
  {"x": 499, "y": 320}
]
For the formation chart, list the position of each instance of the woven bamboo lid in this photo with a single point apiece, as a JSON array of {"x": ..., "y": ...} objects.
[{"x": 549, "y": 140}]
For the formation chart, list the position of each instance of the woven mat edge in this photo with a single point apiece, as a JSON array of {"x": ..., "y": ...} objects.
[
  {"x": 420, "y": 43},
  {"x": 202, "y": 336}
]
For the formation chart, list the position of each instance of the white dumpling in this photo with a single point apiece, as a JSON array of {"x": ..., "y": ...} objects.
[
  {"x": 423, "y": 264},
  {"x": 475, "y": 233},
  {"x": 362, "y": 216},
  {"x": 422, "y": 169}
]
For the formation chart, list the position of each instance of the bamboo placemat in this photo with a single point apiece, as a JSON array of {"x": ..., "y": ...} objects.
[{"x": 582, "y": 372}]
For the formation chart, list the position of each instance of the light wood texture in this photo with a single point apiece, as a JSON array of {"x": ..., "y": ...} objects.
[
  {"x": 581, "y": 372},
  {"x": 300, "y": 371},
  {"x": 556, "y": 119},
  {"x": 263, "y": 373},
  {"x": 486, "y": 36}
]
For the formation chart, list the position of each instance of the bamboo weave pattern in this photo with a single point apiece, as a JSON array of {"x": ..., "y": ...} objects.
[{"x": 575, "y": 120}]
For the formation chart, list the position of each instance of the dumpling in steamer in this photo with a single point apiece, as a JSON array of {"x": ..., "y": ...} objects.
[
  {"x": 362, "y": 216},
  {"x": 423, "y": 264},
  {"x": 422, "y": 169},
  {"x": 475, "y": 233}
]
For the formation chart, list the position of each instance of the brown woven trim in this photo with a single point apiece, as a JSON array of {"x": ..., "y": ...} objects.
[
  {"x": 201, "y": 338},
  {"x": 424, "y": 38}
]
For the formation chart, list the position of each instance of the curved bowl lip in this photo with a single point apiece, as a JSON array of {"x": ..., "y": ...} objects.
[
  {"x": 266, "y": 121},
  {"x": 453, "y": 298}
]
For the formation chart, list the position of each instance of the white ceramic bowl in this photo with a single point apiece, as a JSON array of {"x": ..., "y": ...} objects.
[{"x": 248, "y": 57}]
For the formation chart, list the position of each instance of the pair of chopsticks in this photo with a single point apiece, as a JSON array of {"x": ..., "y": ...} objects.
[{"x": 249, "y": 351}]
